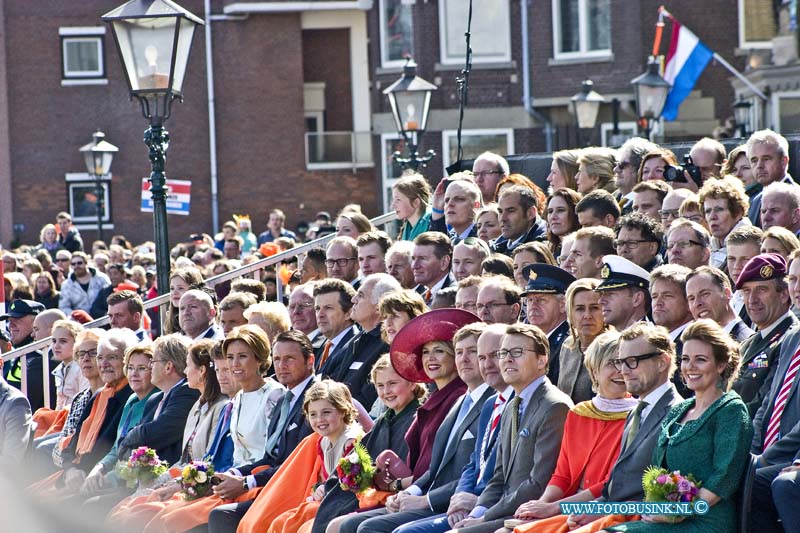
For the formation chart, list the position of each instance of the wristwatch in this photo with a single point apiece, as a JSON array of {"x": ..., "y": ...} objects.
[
  {"x": 245, "y": 486},
  {"x": 398, "y": 485}
]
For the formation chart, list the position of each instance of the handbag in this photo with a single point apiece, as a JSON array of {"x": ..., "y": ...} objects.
[{"x": 388, "y": 468}]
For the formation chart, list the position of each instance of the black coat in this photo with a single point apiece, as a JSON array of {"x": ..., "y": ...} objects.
[
  {"x": 355, "y": 365},
  {"x": 387, "y": 434},
  {"x": 165, "y": 433}
]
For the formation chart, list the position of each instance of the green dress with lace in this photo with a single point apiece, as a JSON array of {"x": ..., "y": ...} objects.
[{"x": 715, "y": 449}]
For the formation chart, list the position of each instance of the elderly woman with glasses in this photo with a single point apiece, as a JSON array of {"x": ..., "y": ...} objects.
[
  {"x": 97, "y": 430},
  {"x": 592, "y": 438}
]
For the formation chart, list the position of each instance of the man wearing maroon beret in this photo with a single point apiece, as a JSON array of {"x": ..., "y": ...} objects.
[{"x": 766, "y": 297}]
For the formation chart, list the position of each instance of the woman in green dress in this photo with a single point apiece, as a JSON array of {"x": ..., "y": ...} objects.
[
  {"x": 707, "y": 436},
  {"x": 411, "y": 198}
]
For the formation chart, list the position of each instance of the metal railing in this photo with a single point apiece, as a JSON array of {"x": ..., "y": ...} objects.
[{"x": 163, "y": 299}]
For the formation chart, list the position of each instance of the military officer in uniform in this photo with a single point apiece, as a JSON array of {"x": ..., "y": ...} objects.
[
  {"x": 762, "y": 282},
  {"x": 546, "y": 306},
  {"x": 624, "y": 292}
]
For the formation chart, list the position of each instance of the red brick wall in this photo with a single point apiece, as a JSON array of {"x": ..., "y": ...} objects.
[{"x": 326, "y": 55}]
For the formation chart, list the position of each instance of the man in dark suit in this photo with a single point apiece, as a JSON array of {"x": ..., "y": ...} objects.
[
  {"x": 430, "y": 264},
  {"x": 165, "y": 413},
  {"x": 769, "y": 158},
  {"x": 455, "y": 205},
  {"x": 766, "y": 297},
  {"x": 430, "y": 494},
  {"x": 776, "y": 440},
  {"x": 15, "y": 426},
  {"x": 671, "y": 309},
  {"x": 355, "y": 364},
  {"x": 20, "y": 316},
  {"x": 333, "y": 299},
  {"x": 646, "y": 360},
  {"x": 530, "y": 434},
  {"x": 708, "y": 292},
  {"x": 196, "y": 314},
  {"x": 293, "y": 360},
  {"x": 519, "y": 220}
]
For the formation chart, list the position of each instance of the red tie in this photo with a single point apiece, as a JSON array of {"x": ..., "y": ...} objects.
[
  {"x": 427, "y": 296},
  {"x": 496, "y": 415},
  {"x": 774, "y": 426},
  {"x": 325, "y": 353},
  {"x": 497, "y": 412}
]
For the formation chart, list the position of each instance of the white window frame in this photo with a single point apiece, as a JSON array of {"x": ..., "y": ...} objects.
[
  {"x": 94, "y": 34},
  {"x": 606, "y": 129},
  {"x": 583, "y": 39},
  {"x": 390, "y": 63},
  {"x": 446, "y": 60},
  {"x": 743, "y": 43},
  {"x": 776, "y": 108},
  {"x": 449, "y": 136},
  {"x": 386, "y": 181}
]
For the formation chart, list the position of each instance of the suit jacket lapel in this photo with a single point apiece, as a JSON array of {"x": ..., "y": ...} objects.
[{"x": 524, "y": 422}]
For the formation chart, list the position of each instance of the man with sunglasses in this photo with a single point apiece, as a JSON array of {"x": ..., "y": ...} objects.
[
  {"x": 646, "y": 360},
  {"x": 82, "y": 287}
]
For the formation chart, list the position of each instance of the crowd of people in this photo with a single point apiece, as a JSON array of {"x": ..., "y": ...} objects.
[{"x": 510, "y": 350}]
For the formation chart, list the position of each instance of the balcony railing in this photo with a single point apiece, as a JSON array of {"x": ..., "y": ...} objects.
[{"x": 338, "y": 149}]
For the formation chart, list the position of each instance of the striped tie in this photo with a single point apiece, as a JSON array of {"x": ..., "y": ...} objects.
[
  {"x": 774, "y": 426},
  {"x": 497, "y": 411}
]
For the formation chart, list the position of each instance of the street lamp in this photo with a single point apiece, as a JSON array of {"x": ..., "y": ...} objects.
[
  {"x": 586, "y": 106},
  {"x": 741, "y": 113},
  {"x": 410, "y": 100},
  {"x": 650, "y": 90},
  {"x": 98, "y": 155},
  {"x": 154, "y": 38}
]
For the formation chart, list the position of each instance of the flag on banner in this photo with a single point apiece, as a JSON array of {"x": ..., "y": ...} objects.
[
  {"x": 686, "y": 60},
  {"x": 179, "y": 195}
]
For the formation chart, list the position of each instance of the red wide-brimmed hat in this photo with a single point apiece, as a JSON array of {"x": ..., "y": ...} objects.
[{"x": 436, "y": 325}]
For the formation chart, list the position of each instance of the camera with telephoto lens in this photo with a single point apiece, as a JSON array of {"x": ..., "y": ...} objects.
[{"x": 676, "y": 174}]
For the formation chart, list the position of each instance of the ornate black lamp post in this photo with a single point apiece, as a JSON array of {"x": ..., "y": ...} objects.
[
  {"x": 98, "y": 155},
  {"x": 650, "y": 90},
  {"x": 586, "y": 106},
  {"x": 410, "y": 100},
  {"x": 154, "y": 38},
  {"x": 741, "y": 112}
]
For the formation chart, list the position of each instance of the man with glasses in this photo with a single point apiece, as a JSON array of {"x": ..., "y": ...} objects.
[
  {"x": 671, "y": 206},
  {"x": 530, "y": 434},
  {"x": 646, "y": 360},
  {"x": 488, "y": 169},
  {"x": 624, "y": 292},
  {"x": 629, "y": 157},
  {"x": 546, "y": 307},
  {"x": 688, "y": 244},
  {"x": 639, "y": 240},
  {"x": 499, "y": 301},
  {"x": 20, "y": 316},
  {"x": 467, "y": 294},
  {"x": 341, "y": 260},
  {"x": 301, "y": 312},
  {"x": 82, "y": 287}
]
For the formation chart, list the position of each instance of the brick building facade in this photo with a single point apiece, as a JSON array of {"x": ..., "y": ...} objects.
[{"x": 300, "y": 119}]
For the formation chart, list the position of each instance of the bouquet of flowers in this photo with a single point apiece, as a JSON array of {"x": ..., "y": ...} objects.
[
  {"x": 142, "y": 469},
  {"x": 355, "y": 471},
  {"x": 660, "y": 485},
  {"x": 196, "y": 479}
]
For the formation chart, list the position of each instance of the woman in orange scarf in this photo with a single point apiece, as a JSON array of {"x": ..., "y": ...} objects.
[
  {"x": 97, "y": 429},
  {"x": 292, "y": 496}
]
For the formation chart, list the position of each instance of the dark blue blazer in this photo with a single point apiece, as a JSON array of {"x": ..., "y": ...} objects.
[
  {"x": 469, "y": 481},
  {"x": 164, "y": 434},
  {"x": 221, "y": 448}
]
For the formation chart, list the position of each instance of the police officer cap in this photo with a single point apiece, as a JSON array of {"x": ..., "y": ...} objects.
[{"x": 619, "y": 273}]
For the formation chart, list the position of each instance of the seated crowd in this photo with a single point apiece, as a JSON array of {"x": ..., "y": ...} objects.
[{"x": 512, "y": 350}]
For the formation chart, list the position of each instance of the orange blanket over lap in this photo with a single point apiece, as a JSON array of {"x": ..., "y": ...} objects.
[
  {"x": 558, "y": 524},
  {"x": 49, "y": 421},
  {"x": 287, "y": 491},
  {"x": 150, "y": 515}
]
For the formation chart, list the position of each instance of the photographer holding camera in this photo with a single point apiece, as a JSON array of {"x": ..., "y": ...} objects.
[{"x": 704, "y": 161}]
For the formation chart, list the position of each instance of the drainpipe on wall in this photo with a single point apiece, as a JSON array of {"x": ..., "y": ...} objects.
[{"x": 527, "y": 100}]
